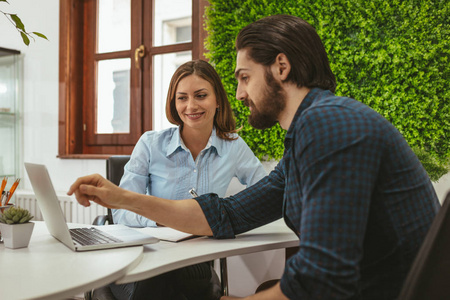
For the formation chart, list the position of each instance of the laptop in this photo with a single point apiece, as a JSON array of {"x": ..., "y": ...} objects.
[{"x": 84, "y": 238}]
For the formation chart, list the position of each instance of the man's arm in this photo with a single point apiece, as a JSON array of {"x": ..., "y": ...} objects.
[
  {"x": 184, "y": 215},
  {"x": 254, "y": 206}
]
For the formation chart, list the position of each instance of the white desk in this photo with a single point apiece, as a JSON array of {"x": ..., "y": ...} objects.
[
  {"x": 167, "y": 256},
  {"x": 47, "y": 269}
]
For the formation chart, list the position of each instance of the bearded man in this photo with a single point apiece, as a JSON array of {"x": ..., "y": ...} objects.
[{"x": 348, "y": 184}]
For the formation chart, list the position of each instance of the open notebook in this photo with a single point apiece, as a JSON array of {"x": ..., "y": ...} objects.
[
  {"x": 83, "y": 238},
  {"x": 167, "y": 234}
]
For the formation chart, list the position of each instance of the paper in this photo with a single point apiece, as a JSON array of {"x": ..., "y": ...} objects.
[{"x": 167, "y": 233}]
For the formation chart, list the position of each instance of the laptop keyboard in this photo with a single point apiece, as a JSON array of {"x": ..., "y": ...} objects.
[{"x": 91, "y": 236}]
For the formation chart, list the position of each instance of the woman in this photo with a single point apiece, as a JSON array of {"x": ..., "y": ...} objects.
[{"x": 202, "y": 153}]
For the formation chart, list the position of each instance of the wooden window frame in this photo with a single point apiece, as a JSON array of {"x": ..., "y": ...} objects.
[{"x": 75, "y": 48}]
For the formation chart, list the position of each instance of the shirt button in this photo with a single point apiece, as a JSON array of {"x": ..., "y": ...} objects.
[{"x": 195, "y": 170}]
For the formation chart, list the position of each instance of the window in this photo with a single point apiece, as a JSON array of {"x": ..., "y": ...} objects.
[{"x": 116, "y": 61}]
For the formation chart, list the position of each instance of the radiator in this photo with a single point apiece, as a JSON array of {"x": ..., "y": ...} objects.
[{"x": 73, "y": 212}]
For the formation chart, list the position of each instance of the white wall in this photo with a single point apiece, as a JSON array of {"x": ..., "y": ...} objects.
[
  {"x": 40, "y": 92},
  {"x": 442, "y": 186}
]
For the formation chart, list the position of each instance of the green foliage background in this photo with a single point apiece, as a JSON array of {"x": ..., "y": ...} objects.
[{"x": 392, "y": 55}]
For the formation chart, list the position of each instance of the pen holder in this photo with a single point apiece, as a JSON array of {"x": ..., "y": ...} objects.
[{"x": 2, "y": 209}]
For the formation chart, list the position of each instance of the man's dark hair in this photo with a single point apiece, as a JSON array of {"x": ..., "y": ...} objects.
[{"x": 298, "y": 40}]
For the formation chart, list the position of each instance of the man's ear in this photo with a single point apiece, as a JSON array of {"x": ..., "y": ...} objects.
[{"x": 282, "y": 66}]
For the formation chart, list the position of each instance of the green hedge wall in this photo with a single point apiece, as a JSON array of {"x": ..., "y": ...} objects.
[{"x": 392, "y": 55}]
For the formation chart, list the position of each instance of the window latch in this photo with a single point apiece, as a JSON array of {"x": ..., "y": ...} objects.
[{"x": 138, "y": 54}]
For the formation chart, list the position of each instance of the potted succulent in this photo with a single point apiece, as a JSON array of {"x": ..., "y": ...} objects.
[{"x": 16, "y": 228}]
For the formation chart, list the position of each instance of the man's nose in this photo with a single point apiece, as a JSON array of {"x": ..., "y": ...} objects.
[{"x": 241, "y": 94}]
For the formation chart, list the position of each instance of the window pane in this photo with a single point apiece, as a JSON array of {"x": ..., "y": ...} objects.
[
  {"x": 8, "y": 77},
  {"x": 164, "y": 66},
  {"x": 113, "y": 96},
  {"x": 114, "y": 25},
  {"x": 173, "y": 22}
]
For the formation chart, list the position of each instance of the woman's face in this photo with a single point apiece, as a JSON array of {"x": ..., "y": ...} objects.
[{"x": 196, "y": 102}]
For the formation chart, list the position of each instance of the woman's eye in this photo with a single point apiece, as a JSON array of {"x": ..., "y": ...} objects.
[
  {"x": 181, "y": 98},
  {"x": 201, "y": 96}
]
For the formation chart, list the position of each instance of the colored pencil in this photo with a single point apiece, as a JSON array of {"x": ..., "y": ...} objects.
[{"x": 13, "y": 189}]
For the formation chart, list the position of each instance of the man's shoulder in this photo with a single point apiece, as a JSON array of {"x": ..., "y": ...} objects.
[
  {"x": 326, "y": 106},
  {"x": 329, "y": 101},
  {"x": 342, "y": 116}
]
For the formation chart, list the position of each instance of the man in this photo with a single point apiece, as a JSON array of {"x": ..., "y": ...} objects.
[{"x": 348, "y": 183}]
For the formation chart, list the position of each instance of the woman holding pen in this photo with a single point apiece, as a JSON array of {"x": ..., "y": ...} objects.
[{"x": 201, "y": 155}]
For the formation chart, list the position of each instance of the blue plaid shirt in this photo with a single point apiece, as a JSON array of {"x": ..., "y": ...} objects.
[{"x": 354, "y": 192}]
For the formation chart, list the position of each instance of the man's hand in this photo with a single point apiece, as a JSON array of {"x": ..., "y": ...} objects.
[{"x": 98, "y": 189}]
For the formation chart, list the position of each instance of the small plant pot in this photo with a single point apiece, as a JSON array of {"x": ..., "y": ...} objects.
[{"x": 16, "y": 235}]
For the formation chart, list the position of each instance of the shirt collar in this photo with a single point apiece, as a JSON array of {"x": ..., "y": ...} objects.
[
  {"x": 307, "y": 101},
  {"x": 176, "y": 142}
]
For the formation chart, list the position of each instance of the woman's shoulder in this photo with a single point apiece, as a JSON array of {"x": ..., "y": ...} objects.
[
  {"x": 159, "y": 136},
  {"x": 234, "y": 142}
]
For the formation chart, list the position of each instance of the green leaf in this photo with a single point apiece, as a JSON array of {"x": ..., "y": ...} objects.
[
  {"x": 18, "y": 22},
  {"x": 40, "y": 35},
  {"x": 25, "y": 38}
]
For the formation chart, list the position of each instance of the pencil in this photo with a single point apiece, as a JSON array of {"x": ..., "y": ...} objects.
[
  {"x": 12, "y": 190},
  {"x": 5, "y": 180}
]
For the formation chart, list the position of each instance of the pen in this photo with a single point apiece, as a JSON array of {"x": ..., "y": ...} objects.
[
  {"x": 3, "y": 198},
  {"x": 193, "y": 192}
]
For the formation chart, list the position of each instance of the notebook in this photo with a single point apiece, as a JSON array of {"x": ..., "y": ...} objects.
[
  {"x": 167, "y": 234},
  {"x": 116, "y": 235}
]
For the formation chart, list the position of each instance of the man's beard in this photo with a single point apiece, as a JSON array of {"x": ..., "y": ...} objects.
[{"x": 270, "y": 106}]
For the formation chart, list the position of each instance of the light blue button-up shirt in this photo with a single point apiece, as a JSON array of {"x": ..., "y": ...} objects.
[{"x": 161, "y": 165}]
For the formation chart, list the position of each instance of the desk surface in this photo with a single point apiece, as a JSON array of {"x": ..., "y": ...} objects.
[
  {"x": 47, "y": 269},
  {"x": 167, "y": 256}
]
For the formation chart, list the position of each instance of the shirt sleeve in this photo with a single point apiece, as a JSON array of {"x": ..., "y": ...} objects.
[
  {"x": 249, "y": 169},
  {"x": 255, "y": 206},
  {"x": 337, "y": 156},
  {"x": 136, "y": 179}
]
